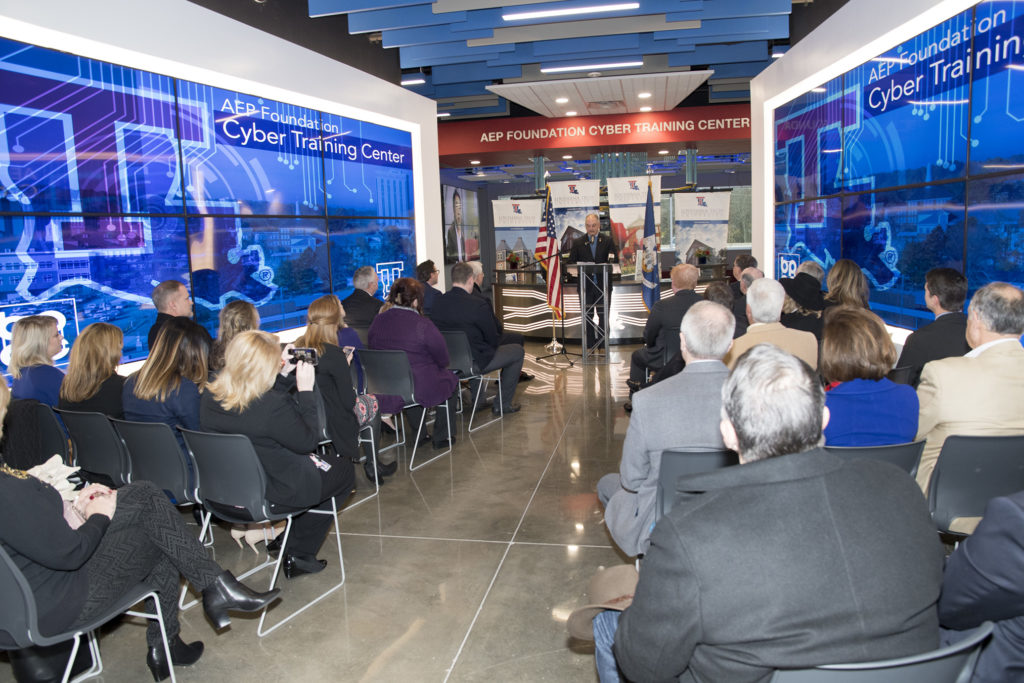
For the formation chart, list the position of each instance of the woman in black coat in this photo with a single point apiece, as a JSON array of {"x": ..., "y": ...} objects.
[{"x": 252, "y": 396}]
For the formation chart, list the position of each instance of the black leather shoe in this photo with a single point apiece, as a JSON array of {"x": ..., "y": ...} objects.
[
  {"x": 441, "y": 445},
  {"x": 228, "y": 593},
  {"x": 181, "y": 655},
  {"x": 524, "y": 376},
  {"x": 295, "y": 565},
  {"x": 381, "y": 471},
  {"x": 509, "y": 409},
  {"x": 274, "y": 546},
  {"x": 424, "y": 438}
]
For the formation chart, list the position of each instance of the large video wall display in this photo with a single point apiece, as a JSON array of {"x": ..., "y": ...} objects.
[
  {"x": 905, "y": 162},
  {"x": 114, "y": 179}
]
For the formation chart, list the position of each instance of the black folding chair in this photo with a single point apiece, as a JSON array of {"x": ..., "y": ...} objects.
[
  {"x": 19, "y": 618},
  {"x": 902, "y": 375},
  {"x": 460, "y": 359},
  {"x": 388, "y": 373},
  {"x": 232, "y": 485},
  {"x": 97, "y": 448},
  {"x": 156, "y": 456},
  {"x": 906, "y": 456},
  {"x": 951, "y": 664},
  {"x": 676, "y": 463},
  {"x": 970, "y": 471},
  {"x": 51, "y": 431}
]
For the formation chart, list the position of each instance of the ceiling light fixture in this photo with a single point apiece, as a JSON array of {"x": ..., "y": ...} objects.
[
  {"x": 590, "y": 67},
  {"x": 645, "y": 108},
  {"x": 570, "y": 113},
  {"x": 443, "y": 114},
  {"x": 662, "y": 151},
  {"x": 414, "y": 81},
  {"x": 567, "y": 156},
  {"x": 643, "y": 95},
  {"x": 819, "y": 89},
  {"x": 569, "y": 12},
  {"x": 474, "y": 161},
  {"x": 561, "y": 100}
]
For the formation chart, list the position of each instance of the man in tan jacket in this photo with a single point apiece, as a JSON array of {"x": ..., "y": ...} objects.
[
  {"x": 764, "y": 308},
  {"x": 981, "y": 393}
]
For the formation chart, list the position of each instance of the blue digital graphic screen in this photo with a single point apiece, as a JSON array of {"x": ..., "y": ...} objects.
[
  {"x": 114, "y": 179},
  {"x": 916, "y": 122}
]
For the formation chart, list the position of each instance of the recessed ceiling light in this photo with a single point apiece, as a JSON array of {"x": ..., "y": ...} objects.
[
  {"x": 662, "y": 151},
  {"x": 561, "y": 100},
  {"x": 645, "y": 108},
  {"x": 474, "y": 161},
  {"x": 643, "y": 95},
  {"x": 819, "y": 90},
  {"x": 591, "y": 67},
  {"x": 443, "y": 114},
  {"x": 570, "y": 113},
  {"x": 572, "y": 11},
  {"x": 567, "y": 156},
  {"x": 414, "y": 81}
]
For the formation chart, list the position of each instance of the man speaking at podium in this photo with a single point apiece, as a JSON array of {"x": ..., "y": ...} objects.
[{"x": 594, "y": 248}]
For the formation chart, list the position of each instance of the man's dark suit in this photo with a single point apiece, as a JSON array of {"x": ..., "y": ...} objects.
[
  {"x": 430, "y": 294},
  {"x": 664, "y": 319},
  {"x": 982, "y": 583},
  {"x": 360, "y": 309},
  {"x": 789, "y": 562},
  {"x": 604, "y": 251},
  {"x": 457, "y": 310},
  {"x": 944, "y": 337},
  {"x": 162, "y": 318}
]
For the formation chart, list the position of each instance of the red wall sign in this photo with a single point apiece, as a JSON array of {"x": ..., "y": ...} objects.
[{"x": 720, "y": 122}]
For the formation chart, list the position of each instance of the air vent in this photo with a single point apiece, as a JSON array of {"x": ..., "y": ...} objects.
[{"x": 607, "y": 107}]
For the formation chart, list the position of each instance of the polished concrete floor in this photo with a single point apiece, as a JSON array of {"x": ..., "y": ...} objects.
[{"x": 464, "y": 570}]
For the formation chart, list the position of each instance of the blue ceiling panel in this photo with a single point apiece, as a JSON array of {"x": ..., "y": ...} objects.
[
  {"x": 725, "y": 9},
  {"x": 425, "y": 35},
  {"x": 321, "y": 8},
  {"x": 474, "y": 71},
  {"x": 743, "y": 28},
  {"x": 400, "y": 17},
  {"x": 569, "y": 45},
  {"x": 718, "y": 54},
  {"x": 740, "y": 69}
]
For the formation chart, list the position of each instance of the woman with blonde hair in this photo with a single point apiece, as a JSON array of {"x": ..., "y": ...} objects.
[
  {"x": 346, "y": 412},
  {"x": 167, "y": 387},
  {"x": 92, "y": 383},
  {"x": 238, "y": 316},
  {"x": 252, "y": 396},
  {"x": 847, "y": 285},
  {"x": 35, "y": 340}
]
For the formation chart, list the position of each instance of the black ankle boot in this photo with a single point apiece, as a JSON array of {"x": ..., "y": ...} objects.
[
  {"x": 181, "y": 655},
  {"x": 297, "y": 565},
  {"x": 228, "y": 593}
]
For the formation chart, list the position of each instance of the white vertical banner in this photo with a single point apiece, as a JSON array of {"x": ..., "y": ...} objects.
[
  {"x": 571, "y": 201},
  {"x": 516, "y": 223},
  {"x": 627, "y": 203},
  {"x": 701, "y": 225}
]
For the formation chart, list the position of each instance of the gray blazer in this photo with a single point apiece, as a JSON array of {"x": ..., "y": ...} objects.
[{"x": 682, "y": 411}]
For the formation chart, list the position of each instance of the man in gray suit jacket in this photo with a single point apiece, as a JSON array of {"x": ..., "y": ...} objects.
[{"x": 680, "y": 412}]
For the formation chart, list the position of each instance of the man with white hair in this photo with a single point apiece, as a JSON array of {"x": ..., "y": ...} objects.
[
  {"x": 680, "y": 412},
  {"x": 764, "y": 309},
  {"x": 362, "y": 305},
  {"x": 980, "y": 393}
]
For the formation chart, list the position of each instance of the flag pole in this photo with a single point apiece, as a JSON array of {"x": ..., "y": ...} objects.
[{"x": 554, "y": 346}]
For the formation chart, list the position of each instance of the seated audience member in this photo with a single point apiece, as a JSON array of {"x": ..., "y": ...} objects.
[
  {"x": 129, "y": 535},
  {"x": 504, "y": 337},
  {"x": 427, "y": 273},
  {"x": 746, "y": 574},
  {"x": 172, "y": 300},
  {"x": 35, "y": 340},
  {"x": 349, "y": 337},
  {"x": 167, "y": 387},
  {"x": 92, "y": 383},
  {"x": 945, "y": 290},
  {"x": 764, "y": 308},
  {"x": 346, "y": 413},
  {"x": 401, "y": 327},
  {"x": 982, "y": 583},
  {"x": 980, "y": 393},
  {"x": 681, "y": 412},
  {"x": 847, "y": 285},
  {"x": 803, "y": 305},
  {"x": 812, "y": 268},
  {"x": 739, "y": 264},
  {"x": 235, "y": 318},
  {"x": 664, "y": 319},
  {"x": 739, "y": 304},
  {"x": 457, "y": 310},
  {"x": 866, "y": 408},
  {"x": 362, "y": 305},
  {"x": 251, "y": 396}
]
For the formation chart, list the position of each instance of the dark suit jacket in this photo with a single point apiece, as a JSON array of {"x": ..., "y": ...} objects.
[
  {"x": 580, "y": 251},
  {"x": 430, "y": 295},
  {"x": 668, "y": 314},
  {"x": 457, "y": 309},
  {"x": 982, "y": 583},
  {"x": 161, "y": 318},
  {"x": 739, "y": 311},
  {"x": 944, "y": 337},
  {"x": 334, "y": 379},
  {"x": 181, "y": 407},
  {"x": 360, "y": 308},
  {"x": 283, "y": 429},
  {"x": 742, "y": 577}
]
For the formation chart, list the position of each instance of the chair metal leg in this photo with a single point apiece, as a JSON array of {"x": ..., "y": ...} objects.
[
  {"x": 277, "y": 569},
  {"x": 97, "y": 662},
  {"x": 476, "y": 402},
  {"x": 448, "y": 417},
  {"x": 376, "y": 480},
  {"x": 400, "y": 431}
]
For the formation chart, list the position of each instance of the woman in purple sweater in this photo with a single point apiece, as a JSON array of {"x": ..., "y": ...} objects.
[{"x": 401, "y": 326}]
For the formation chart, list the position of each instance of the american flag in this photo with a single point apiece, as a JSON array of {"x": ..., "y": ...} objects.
[{"x": 547, "y": 247}]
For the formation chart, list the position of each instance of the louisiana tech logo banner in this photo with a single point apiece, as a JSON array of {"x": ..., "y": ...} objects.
[{"x": 627, "y": 199}]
